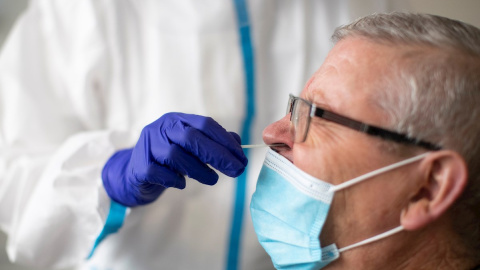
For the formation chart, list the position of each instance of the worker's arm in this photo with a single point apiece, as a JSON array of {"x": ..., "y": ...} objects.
[{"x": 53, "y": 142}]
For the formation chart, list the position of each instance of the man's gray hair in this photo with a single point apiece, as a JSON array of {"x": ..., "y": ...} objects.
[{"x": 434, "y": 94}]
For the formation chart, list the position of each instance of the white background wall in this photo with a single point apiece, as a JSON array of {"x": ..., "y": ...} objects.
[{"x": 463, "y": 10}]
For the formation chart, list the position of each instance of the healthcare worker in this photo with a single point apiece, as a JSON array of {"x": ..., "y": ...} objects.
[{"x": 81, "y": 79}]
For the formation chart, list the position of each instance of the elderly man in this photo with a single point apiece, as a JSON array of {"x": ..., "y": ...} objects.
[{"x": 379, "y": 167}]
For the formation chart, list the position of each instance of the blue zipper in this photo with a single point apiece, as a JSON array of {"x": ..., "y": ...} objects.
[{"x": 234, "y": 247}]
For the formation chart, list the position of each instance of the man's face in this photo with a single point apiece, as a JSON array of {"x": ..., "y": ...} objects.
[{"x": 344, "y": 84}]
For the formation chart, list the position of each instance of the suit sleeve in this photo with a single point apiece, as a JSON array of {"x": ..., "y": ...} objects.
[{"x": 53, "y": 140}]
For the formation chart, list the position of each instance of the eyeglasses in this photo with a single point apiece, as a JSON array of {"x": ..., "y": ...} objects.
[{"x": 302, "y": 112}]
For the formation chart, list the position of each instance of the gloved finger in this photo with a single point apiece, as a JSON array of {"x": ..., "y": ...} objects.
[
  {"x": 236, "y": 137},
  {"x": 211, "y": 129},
  {"x": 207, "y": 150},
  {"x": 159, "y": 175},
  {"x": 184, "y": 163}
]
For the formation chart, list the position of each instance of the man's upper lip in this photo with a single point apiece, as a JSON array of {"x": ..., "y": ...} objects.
[
  {"x": 279, "y": 147},
  {"x": 283, "y": 150}
]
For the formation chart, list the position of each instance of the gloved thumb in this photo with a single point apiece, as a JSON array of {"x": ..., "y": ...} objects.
[{"x": 236, "y": 137}]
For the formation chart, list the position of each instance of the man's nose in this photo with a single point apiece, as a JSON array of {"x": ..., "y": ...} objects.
[{"x": 279, "y": 132}]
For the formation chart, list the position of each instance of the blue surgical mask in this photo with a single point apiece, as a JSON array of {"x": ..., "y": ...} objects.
[{"x": 289, "y": 209}]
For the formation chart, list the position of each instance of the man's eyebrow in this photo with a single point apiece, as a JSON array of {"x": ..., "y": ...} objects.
[{"x": 316, "y": 98}]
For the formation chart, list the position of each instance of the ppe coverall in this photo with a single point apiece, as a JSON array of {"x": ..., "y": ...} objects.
[{"x": 79, "y": 79}]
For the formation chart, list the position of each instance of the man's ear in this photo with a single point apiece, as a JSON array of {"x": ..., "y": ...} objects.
[{"x": 441, "y": 180}]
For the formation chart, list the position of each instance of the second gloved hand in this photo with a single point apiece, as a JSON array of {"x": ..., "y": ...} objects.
[{"x": 174, "y": 146}]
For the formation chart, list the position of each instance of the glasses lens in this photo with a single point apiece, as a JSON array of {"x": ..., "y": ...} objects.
[
  {"x": 300, "y": 118},
  {"x": 291, "y": 99}
]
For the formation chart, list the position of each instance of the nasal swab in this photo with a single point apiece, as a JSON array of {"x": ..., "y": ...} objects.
[{"x": 260, "y": 145}]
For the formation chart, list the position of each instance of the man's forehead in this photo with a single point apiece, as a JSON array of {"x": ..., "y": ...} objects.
[
  {"x": 352, "y": 71},
  {"x": 358, "y": 55},
  {"x": 341, "y": 65}
]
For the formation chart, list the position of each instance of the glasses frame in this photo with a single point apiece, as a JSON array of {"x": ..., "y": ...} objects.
[{"x": 356, "y": 125}]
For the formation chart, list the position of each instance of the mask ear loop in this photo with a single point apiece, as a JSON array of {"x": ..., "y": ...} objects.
[
  {"x": 369, "y": 175},
  {"x": 373, "y": 239},
  {"x": 376, "y": 172}
]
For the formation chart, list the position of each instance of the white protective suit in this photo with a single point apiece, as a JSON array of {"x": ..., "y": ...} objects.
[{"x": 79, "y": 79}]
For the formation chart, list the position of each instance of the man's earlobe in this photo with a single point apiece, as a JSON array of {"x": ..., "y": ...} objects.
[{"x": 443, "y": 177}]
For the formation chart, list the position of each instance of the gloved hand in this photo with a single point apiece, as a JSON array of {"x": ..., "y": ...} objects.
[{"x": 173, "y": 146}]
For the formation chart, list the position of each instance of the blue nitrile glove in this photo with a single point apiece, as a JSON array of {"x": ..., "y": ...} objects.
[{"x": 175, "y": 145}]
